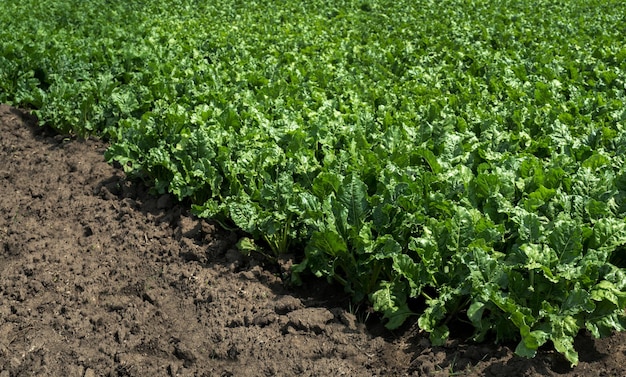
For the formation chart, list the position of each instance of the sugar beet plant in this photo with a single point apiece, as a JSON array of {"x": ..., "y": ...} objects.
[{"x": 467, "y": 155}]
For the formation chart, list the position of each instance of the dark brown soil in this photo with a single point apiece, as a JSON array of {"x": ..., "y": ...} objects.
[{"x": 98, "y": 278}]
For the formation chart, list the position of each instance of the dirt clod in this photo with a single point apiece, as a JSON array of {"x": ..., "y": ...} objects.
[{"x": 310, "y": 319}]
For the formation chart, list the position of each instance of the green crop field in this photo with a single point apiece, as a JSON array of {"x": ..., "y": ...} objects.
[{"x": 467, "y": 156}]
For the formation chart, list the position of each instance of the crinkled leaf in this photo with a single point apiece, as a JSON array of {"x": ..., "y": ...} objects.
[
  {"x": 566, "y": 240},
  {"x": 390, "y": 299},
  {"x": 353, "y": 196},
  {"x": 608, "y": 234}
]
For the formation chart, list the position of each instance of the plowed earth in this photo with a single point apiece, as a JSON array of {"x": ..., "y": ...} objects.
[{"x": 98, "y": 278}]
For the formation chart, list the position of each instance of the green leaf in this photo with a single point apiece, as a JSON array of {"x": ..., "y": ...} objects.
[
  {"x": 439, "y": 335},
  {"x": 537, "y": 256},
  {"x": 353, "y": 196},
  {"x": 390, "y": 299},
  {"x": 328, "y": 242},
  {"x": 531, "y": 341},
  {"x": 523, "y": 350},
  {"x": 429, "y": 320},
  {"x": 606, "y": 290},
  {"x": 326, "y": 183},
  {"x": 530, "y": 228},
  {"x": 603, "y": 326},
  {"x": 608, "y": 234},
  {"x": 563, "y": 338},
  {"x": 486, "y": 185},
  {"x": 413, "y": 272},
  {"x": 577, "y": 300},
  {"x": 566, "y": 239},
  {"x": 246, "y": 245},
  {"x": 431, "y": 159},
  {"x": 245, "y": 216},
  {"x": 596, "y": 161},
  {"x": 475, "y": 313}
]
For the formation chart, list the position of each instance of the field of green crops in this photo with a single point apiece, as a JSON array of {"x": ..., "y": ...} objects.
[{"x": 448, "y": 160}]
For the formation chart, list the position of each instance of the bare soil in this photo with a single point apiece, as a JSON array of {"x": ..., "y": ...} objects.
[{"x": 99, "y": 278}]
